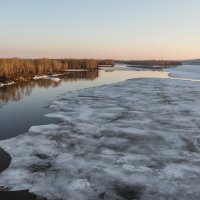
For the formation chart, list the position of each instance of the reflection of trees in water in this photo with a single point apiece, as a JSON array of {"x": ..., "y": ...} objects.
[
  {"x": 85, "y": 75},
  {"x": 17, "y": 91}
]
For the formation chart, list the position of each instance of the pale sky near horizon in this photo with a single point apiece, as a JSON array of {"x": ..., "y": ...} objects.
[{"x": 117, "y": 29}]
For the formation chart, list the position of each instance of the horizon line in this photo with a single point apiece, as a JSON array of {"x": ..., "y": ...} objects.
[{"x": 34, "y": 58}]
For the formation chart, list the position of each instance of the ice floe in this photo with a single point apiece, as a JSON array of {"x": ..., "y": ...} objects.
[{"x": 139, "y": 139}]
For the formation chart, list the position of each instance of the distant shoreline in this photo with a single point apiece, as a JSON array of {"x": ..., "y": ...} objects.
[{"x": 151, "y": 63}]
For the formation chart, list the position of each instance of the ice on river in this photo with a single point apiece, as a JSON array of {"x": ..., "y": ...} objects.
[
  {"x": 185, "y": 72},
  {"x": 139, "y": 139}
]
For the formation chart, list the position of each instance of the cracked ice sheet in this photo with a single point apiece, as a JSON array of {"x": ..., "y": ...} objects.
[{"x": 138, "y": 139}]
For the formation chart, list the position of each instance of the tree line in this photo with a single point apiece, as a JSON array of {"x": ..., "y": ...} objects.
[
  {"x": 15, "y": 67},
  {"x": 163, "y": 63}
]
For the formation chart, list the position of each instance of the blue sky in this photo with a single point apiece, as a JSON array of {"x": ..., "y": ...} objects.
[{"x": 118, "y": 29}]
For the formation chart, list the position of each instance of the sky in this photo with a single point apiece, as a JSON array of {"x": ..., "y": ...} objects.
[{"x": 116, "y": 29}]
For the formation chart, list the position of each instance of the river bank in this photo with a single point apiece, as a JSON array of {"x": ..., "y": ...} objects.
[{"x": 22, "y": 70}]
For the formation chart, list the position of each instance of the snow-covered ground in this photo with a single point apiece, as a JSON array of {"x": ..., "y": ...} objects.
[
  {"x": 52, "y": 78},
  {"x": 6, "y": 84},
  {"x": 138, "y": 139}
]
